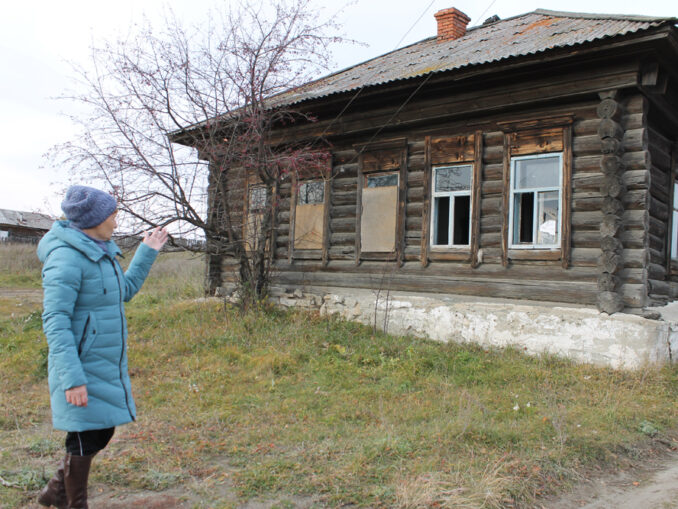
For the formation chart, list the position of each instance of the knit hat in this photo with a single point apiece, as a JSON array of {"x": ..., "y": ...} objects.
[{"x": 86, "y": 207}]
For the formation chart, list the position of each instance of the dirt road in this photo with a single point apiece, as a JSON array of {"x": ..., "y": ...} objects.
[{"x": 652, "y": 487}]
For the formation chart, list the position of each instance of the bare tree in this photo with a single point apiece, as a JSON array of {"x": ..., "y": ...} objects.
[{"x": 217, "y": 88}]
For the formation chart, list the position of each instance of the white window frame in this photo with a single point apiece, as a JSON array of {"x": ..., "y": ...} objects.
[
  {"x": 452, "y": 195},
  {"x": 535, "y": 190}
]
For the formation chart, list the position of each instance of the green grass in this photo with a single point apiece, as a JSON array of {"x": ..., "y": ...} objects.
[{"x": 280, "y": 405}]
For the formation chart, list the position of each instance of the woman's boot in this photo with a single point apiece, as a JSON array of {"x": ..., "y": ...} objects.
[
  {"x": 54, "y": 493},
  {"x": 76, "y": 472}
]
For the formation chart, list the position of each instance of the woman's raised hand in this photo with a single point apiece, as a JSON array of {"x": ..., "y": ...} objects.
[{"x": 156, "y": 238}]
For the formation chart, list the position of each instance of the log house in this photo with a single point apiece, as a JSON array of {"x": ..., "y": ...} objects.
[{"x": 530, "y": 158}]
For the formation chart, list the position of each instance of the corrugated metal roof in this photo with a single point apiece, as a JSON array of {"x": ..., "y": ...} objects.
[
  {"x": 527, "y": 34},
  {"x": 25, "y": 219}
]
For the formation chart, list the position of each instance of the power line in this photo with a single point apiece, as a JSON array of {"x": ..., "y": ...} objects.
[
  {"x": 485, "y": 11},
  {"x": 400, "y": 108},
  {"x": 358, "y": 92}
]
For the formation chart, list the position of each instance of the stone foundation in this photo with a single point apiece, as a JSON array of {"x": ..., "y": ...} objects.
[{"x": 580, "y": 333}]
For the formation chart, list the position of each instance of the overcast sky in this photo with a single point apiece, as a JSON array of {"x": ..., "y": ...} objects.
[{"x": 38, "y": 38}]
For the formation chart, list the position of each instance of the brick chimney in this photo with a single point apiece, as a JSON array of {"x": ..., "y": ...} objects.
[{"x": 451, "y": 24}]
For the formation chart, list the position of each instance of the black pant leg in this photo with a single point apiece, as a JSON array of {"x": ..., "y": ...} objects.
[{"x": 86, "y": 443}]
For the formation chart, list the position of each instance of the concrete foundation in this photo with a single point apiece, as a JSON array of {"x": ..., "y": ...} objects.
[{"x": 580, "y": 333}]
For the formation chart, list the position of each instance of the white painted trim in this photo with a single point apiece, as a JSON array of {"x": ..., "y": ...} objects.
[{"x": 512, "y": 193}]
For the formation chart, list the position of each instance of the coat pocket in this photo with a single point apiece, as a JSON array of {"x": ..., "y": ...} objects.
[{"x": 89, "y": 335}]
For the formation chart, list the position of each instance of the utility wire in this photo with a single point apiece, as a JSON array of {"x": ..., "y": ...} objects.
[
  {"x": 488, "y": 8},
  {"x": 358, "y": 92},
  {"x": 400, "y": 108}
]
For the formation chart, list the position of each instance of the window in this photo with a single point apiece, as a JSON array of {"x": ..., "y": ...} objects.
[
  {"x": 451, "y": 218},
  {"x": 309, "y": 215},
  {"x": 311, "y": 193},
  {"x": 257, "y": 198},
  {"x": 256, "y": 206},
  {"x": 379, "y": 213},
  {"x": 382, "y": 180},
  {"x": 674, "y": 223},
  {"x": 535, "y": 201}
]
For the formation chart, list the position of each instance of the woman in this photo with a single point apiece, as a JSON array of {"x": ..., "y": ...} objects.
[{"x": 84, "y": 321}]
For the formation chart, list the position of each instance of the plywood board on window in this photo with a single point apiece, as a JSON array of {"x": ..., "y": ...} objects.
[
  {"x": 537, "y": 141},
  {"x": 378, "y": 220},
  {"x": 308, "y": 227},
  {"x": 454, "y": 149},
  {"x": 253, "y": 230}
]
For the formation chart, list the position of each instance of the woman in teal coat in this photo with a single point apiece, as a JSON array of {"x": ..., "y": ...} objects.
[{"x": 84, "y": 322}]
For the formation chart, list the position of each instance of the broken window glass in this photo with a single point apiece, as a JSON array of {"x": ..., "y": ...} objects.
[
  {"x": 311, "y": 193},
  {"x": 537, "y": 172},
  {"x": 382, "y": 180},
  {"x": 536, "y": 201},
  {"x": 257, "y": 198}
]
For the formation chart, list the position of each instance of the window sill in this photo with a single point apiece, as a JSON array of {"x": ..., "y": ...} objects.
[
  {"x": 554, "y": 254},
  {"x": 307, "y": 254},
  {"x": 378, "y": 256},
  {"x": 449, "y": 255}
]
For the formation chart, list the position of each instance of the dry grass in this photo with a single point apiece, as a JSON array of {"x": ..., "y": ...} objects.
[
  {"x": 272, "y": 405},
  {"x": 19, "y": 265},
  {"x": 461, "y": 488},
  {"x": 176, "y": 275}
]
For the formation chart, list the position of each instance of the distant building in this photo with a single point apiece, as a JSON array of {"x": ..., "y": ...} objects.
[{"x": 17, "y": 226}]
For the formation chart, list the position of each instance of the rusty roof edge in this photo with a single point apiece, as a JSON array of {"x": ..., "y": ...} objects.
[{"x": 619, "y": 17}]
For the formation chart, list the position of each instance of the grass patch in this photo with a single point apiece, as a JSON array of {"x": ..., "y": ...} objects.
[
  {"x": 291, "y": 404},
  {"x": 19, "y": 266}
]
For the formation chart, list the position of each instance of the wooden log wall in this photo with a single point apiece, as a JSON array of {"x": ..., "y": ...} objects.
[
  {"x": 618, "y": 193},
  {"x": 526, "y": 279},
  {"x": 235, "y": 181},
  {"x": 612, "y": 190},
  {"x": 662, "y": 169}
]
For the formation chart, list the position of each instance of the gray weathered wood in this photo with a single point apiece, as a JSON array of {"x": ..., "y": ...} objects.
[
  {"x": 608, "y": 282},
  {"x": 610, "y": 302}
]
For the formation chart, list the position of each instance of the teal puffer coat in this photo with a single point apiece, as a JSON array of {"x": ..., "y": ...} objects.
[{"x": 84, "y": 321}]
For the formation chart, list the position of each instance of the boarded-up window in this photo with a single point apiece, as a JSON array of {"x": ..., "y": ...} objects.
[
  {"x": 674, "y": 223},
  {"x": 256, "y": 206},
  {"x": 379, "y": 213},
  {"x": 309, "y": 216}
]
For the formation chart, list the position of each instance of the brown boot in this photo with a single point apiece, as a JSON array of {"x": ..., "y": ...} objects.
[
  {"x": 54, "y": 494},
  {"x": 76, "y": 472}
]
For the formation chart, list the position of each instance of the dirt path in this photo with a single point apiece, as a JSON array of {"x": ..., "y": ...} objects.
[
  {"x": 30, "y": 294},
  {"x": 653, "y": 487}
]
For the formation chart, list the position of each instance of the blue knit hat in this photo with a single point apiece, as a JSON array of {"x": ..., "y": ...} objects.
[{"x": 86, "y": 207}]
